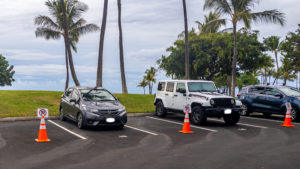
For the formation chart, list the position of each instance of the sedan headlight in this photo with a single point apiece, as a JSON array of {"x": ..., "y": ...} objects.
[
  {"x": 94, "y": 110},
  {"x": 121, "y": 109}
]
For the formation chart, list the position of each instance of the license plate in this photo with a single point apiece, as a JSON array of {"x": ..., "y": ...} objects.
[
  {"x": 110, "y": 120},
  {"x": 227, "y": 111}
]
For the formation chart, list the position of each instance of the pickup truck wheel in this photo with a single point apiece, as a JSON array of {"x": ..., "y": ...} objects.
[
  {"x": 160, "y": 109},
  {"x": 245, "y": 109},
  {"x": 198, "y": 116},
  {"x": 231, "y": 119}
]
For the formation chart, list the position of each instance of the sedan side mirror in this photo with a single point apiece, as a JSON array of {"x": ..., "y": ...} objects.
[{"x": 73, "y": 101}]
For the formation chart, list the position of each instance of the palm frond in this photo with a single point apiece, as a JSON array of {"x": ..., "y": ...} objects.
[
  {"x": 86, "y": 29},
  {"x": 47, "y": 33},
  {"x": 270, "y": 16},
  {"x": 78, "y": 23},
  {"x": 245, "y": 16},
  {"x": 213, "y": 26},
  {"x": 220, "y": 6},
  {"x": 46, "y": 21}
]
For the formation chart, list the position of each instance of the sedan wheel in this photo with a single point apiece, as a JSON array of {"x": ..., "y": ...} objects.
[
  {"x": 80, "y": 123},
  {"x": 61, "y": 115}
]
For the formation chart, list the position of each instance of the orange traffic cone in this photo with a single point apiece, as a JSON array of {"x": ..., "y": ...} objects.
[
  {"x": 186, "y": 125},
  {"x": 42, "y": 133},
  {"x": 287, "y": 121}
]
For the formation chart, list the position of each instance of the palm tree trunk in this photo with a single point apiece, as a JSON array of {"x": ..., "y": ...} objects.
[
  {"x": 233, "y": 72},
  {"x": 67, "y": 69},
  {"x": 144, "y": 90},
  {"x": 276, "y": 58},
  {"x": 67, "y": 44},
  {"x": 122, "y": 69},
  {"x": 101, "y": 44},
  {"x": 187, "y": 57}
]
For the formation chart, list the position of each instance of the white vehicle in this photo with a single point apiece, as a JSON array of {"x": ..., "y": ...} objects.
[{"x": 201, "y": 95}]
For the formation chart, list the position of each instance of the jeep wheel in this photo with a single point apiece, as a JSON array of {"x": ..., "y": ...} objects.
[
  {"x": 160, "y": 109},
  {"x": 198, "y": 116},
  {"x": 294, "y": 114},
  {"x": 245, "y": 109},
  {"x": 231, "y": 119}
]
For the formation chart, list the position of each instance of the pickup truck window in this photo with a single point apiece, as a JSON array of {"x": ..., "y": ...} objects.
[{"x": 170, "y": 87}]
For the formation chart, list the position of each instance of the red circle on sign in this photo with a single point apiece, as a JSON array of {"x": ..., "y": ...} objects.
[{"x": 42, "y": 112}]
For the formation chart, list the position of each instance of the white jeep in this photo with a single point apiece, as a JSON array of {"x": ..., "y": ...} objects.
[{"x": 201, "y": 95}]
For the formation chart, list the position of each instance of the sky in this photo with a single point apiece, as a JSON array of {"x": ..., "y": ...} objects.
[{"x": 149, "y": 27}]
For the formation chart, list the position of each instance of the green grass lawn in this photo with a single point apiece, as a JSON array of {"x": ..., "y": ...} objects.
[{"x": 25, "y": 103}]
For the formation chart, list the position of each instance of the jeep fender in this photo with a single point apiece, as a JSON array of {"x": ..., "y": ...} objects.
[{"x": 157, "y": 100}]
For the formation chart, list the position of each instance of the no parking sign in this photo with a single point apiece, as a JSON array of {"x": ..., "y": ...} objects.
[{"x": 42, "y": 112}]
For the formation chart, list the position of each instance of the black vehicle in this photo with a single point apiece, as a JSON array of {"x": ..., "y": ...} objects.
[
  {"x": 270, "y": 100},
  {"x": 89, "y": 106}
]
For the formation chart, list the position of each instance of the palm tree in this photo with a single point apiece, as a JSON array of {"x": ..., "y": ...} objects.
[
  {"x": 143, "y": 84},
  {"x": 267, "y": 68},
  {"x": 122, "y": 69},
  {"x": 101, "y": 44},
  {"x": 273, "y": 44},
  {"x": 187, "y": 56},
  {"x": 55, "y": 28},
  {"x": 150, "y": 78},
  {"x": 240, "y": 10},
  {"x": 287, "y": 71},
  {"x": 212, "y": 23}
]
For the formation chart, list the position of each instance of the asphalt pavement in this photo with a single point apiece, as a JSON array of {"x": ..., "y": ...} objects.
[{"x": 150, "y": 142}]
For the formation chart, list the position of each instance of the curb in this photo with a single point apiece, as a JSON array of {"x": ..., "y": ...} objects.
[{"x": 11, "y": 119}]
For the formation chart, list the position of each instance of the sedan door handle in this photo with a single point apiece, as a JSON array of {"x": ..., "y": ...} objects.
[
  {"x": 167, "y": 94},
  {"x": 175, "y": 95}
]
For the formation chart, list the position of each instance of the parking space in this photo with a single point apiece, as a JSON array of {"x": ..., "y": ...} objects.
[{"x": 152, "y": 142}]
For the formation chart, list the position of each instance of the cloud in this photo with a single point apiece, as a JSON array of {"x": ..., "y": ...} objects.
[{"x": 17, "y": 54}]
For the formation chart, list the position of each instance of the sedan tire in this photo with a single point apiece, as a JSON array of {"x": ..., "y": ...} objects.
[{"x": 80, "y": 122}]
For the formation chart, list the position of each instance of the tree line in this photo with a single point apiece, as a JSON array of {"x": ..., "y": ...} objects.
[{"x": 232, "y": 57}]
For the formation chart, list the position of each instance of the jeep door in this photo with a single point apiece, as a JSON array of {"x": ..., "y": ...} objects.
[
  {"x": 179, "y": 98},
  {"x": 274, "y": 100},
  {"x": 169, "y": 94}
]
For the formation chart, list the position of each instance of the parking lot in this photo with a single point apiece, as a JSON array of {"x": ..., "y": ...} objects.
[{"x": 152, "y": 142}]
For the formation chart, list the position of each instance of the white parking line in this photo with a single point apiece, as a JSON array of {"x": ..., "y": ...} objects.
[
  {"x": 75, "y": 134},
  {"x": 263, "y": 119},
  {"x": 148, "y": 132},
  {"x": 169, "y": 121},
  {"x": 243, "y": 124}
]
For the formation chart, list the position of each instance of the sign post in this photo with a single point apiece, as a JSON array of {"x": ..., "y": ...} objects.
[{"x": 42, "y": 112}]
